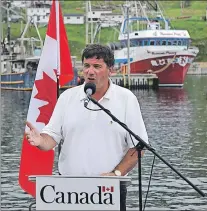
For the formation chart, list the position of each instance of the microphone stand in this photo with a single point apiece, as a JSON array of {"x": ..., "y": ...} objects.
[{"x": 139, "y": 148}]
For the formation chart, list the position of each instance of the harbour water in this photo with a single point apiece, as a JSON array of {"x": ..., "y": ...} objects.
[{"x": 176, "y": 121}]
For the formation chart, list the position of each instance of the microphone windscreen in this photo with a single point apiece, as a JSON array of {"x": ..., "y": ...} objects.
[{"x": 90, "y": 86}]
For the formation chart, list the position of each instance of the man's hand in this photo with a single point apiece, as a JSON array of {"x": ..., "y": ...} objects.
[{"x": 33, "y": 136}]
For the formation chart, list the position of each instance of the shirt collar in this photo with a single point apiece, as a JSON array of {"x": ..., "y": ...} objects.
[{"x": 107, "y": 95}]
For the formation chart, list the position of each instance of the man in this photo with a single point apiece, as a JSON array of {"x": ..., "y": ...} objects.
[{"x": 92, "y": 143}]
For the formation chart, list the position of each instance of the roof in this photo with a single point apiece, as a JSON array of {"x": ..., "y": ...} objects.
[
  {"x": 97, "y": 9},
  {"x": 111, "y": 14},
  {"x": 26, "y": 59},
  {"x": 73, "y": 15}
]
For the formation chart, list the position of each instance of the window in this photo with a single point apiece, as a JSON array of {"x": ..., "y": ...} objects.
[
  {"x": 175, "y": 42},
  {"x": 78, "y": 17},
  {"x": 139, "y": 43},
  {"x": 158, "y": 42},
  {"x": 68, "y": 18},
  {"x": 152, "y": 42},
  {"x": 179, "y": 42},
  {"x": 133, "y": 43},
  {"x": 164, "y": 42},
  {"x": 145, "y": 42},
  {"x": 169, "y": 42}
]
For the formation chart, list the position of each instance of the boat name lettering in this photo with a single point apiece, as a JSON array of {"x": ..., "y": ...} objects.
[
  {"x": 173, "y": 33},
  {"x": 181, "y": 60}
]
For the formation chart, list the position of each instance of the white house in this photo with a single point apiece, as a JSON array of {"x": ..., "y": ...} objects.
[
  {"x": 39, "y": 15},
  {"x": 41, "y": 2},
  {"x": 95, "y": 14},
  {"x": 111, "y": 18},
  {"x": 21, "y": 4},
  {"x": 74, "y": 19}
]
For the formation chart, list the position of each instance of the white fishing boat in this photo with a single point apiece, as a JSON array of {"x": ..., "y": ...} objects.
[{"x": 154, "y": 47}]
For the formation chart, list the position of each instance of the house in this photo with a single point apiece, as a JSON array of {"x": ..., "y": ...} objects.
[
  {"x": 108, "y": 20},
  {"x": 40, "y": 3},
  {"x": 39, "y": 15},
  {"x": 74, "y": 19},
  {"x": 95, "y": 14},
  {"x": 20, "y": 4}
]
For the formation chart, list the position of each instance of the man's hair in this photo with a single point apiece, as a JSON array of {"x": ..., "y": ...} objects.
[{"x": 99, "y": 52}]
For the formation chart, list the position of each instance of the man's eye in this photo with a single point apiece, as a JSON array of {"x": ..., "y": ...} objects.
[
  {"x": 85, "y": 65},
  {"x": 97, "y": 66}
]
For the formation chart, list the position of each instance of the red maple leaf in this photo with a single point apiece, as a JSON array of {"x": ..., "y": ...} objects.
[{"x": 47, "y": 91}]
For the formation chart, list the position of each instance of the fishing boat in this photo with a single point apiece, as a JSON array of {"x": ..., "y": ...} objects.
[
  {"x": 154, "y": 47},
  {"x": 19, "y": 69},
  {"x": 20, "y": 59},
  {"x": 19, "y": 74}
]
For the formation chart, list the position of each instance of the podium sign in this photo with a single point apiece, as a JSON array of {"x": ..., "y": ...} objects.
[{"x": 77, "y": 193}]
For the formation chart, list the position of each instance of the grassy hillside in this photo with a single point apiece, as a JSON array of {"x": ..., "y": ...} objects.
[{"x": 189, "y": 18}]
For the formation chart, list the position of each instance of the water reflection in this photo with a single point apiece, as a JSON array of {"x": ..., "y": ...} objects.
[{"x": 176, "y": 124}]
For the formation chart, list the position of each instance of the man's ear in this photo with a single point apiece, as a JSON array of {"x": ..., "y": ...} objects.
[{"x": 110, "y": 71}]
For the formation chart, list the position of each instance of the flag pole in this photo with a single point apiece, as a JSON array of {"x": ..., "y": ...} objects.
[
  {"x": 54, "y": 71},
  {"x": 58, "y": 93},
  {"x": 58, "y": 53}
]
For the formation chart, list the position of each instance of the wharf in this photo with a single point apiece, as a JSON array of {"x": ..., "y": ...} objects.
[
  {"x": 198, "y": 68},
  {"x": 137, "y": 81}
]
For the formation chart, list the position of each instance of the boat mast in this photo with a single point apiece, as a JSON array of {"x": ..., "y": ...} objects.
[
  {"x": 160, "y": 11},
  {"x": 86, "y": 21},
  {"x": 127, "y": 6},
  {"x": 8, "y": 27},
  {"x": 1, "y": 25},
  {"x": 89, "y": 10},
  {"x": 1, "y": 35},
  {"x": 91, "y": 21},
  {"x": 137, "y": 14}
]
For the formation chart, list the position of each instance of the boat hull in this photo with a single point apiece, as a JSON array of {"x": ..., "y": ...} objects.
[
  {"x": 18, "y": 81},
  {"x": 25, "y": 81},
  {"x": 170, "y": 67},
  {"x": 171, "y": 71}
]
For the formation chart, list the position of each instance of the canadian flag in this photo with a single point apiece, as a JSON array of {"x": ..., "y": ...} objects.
[
  {"x": 107, "y": 189},
  {"x": 55, "y": 62}
]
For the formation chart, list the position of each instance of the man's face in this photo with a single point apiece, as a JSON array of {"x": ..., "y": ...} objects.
[{"x": 96, "y": 71}]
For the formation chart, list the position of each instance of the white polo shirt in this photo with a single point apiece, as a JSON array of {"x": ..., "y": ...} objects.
[{"x": 93, "y": 142}]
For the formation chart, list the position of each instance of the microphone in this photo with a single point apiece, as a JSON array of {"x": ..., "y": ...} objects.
[{"x": 89, "y": 89}]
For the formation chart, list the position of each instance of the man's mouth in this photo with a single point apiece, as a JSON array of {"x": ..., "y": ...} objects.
[{"x": 91, "y": 79}]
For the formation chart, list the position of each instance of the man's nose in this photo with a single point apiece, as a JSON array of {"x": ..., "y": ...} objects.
[{"x": 91, "y": 70}]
